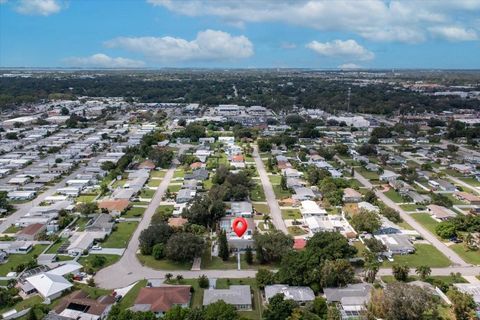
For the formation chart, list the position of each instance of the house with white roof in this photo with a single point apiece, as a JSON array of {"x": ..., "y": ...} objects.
[{"x": 48, "y": 285}]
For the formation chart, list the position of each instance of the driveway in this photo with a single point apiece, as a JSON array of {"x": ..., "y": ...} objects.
[{"x": 275, "y": 211}]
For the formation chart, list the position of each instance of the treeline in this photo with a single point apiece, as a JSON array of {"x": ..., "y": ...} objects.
[{"x": 278, "y": 92}]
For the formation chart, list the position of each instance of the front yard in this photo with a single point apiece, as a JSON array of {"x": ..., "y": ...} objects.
[{"x": 121, "y": 236}]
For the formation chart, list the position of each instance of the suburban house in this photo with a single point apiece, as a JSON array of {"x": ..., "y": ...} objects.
[
  {"x": 350, "y": 300},
  {"x": 161, "y": 299},
  {"x": 237, "y": 295},
  {"x": 467, "y": 197},
  {"x": 114, "y": 206},
  {"x": 77, "y": 305},
  {"x": 300, "y": 295},
  {"x": 396, "y": 244},
  {"x": 30, "y": 232},
  {"x": 303, "y": 193},
  {"x": 241, "y": 209},
  {"x": 388, "y": 176},
  {"x": 440, "y": 213},
  {"x": 48, "y": 285},
  {"x": 311, "y": 208},
  {"x": 185, "y": 195},
  {"x": 351, "y": 195}
]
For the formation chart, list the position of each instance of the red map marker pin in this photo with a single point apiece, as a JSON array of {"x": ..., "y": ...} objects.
[{"x": 239, "y": 225}]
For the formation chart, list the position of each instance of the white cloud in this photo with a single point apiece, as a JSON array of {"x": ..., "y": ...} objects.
[
  {"x": 454, "y": 33},
  {"x": 208, "y": 45},
  {"x": 101, "y": 60},
  {"x": 342, "y": 49},
  {"x": 346, "y": 66},
  {"x": 377, "y": 20},
  {"x": 38, "y": 7}
]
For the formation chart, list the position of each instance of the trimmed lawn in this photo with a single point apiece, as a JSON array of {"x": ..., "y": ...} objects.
[
  {"x": 93, "y": 292},
  {"x": 471, "y": 181},
  {"x": 110, "y": 259},
  {"x": 56, "y": 246},
  {"x": 370, "y": 175},
  {"x": 147, "y": 193},
  {"x": 410, "y": 207},
  {"x": 426, "y": 220},
  {"x": 275, "y": 179},
  {"x": 280, "y": 193},
  {"x": 257, "y": 194},
  {"x": 15, "y": 260},
  {"x": 360, "y": 248},
  {"x": 261, "y": 207},
  {"x": 179, "y": 173},
  {"x": 291, "y": 214},
  {"x": 119, "y": 183},
  {"x": 164, "y": 210},
  {"x": 207, "y": 184},
  {"x": 87, "y": 197},
  {"x": 134, "y": 212},
  {"x": 425, "y": 254},
  {"x": 469, "y": 256},
  {"x": 296, "y": 231},
  {"x": 24, "y": 304},
  {"x": 12, "y": 229},
  {"x": 449, "y": 280},
  {"x": 154, "y": 183},
  {"x": 163, "y": 264},
  {"x": 120, "y": 237},
  {"x": 394, "y": 196},
  {"x": 128, "y": 300},
  {"x": 158, "y": 173},
  {"x": 174, "y": 187}
]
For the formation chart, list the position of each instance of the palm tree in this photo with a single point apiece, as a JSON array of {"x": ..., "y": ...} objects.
[
  {"x": 423, "y": 272},
  {"x": 371, "y": 266},
  {"x": 169, "y": 276},
  {"x": 266, "y": 219},
  {"x": 179, "y": 277}
]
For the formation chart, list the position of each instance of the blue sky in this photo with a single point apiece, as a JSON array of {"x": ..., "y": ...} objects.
[{"x": 247, "y": 33}]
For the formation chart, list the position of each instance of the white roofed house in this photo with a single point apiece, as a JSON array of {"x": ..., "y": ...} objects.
[
  {"x": 310, "y": 208},
  {"x": 303, "y": 193},
  {"x": 241, "y": 209},
  {"x": 48, "y": 285},
  {"x": 300, "y": 295},
  {"x": 350, "y": 300},
  {"x": 388, "y": 176},
  {"x": 237, "y": 295},
  {"x": 185, "y": 195},
  {"x": 440, "y": 213}
]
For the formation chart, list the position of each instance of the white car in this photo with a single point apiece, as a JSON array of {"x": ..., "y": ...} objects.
[{"x": 96, "y": 248}]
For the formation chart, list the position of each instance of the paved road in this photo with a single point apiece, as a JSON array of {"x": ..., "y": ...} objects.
[
  {"x": 275, "y": 211},
  {"x": 442, "y": 247},
  {"x": 465, "y": 271}
]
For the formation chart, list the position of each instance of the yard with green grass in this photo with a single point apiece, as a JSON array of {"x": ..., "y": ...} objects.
[
  {"x": 24, "y": 304},
  {"x": 163, "y": 264},
  {"x": 87, "y": 197},
  {"x": 394, "y": 196},
  {"x": 147, "y": 193},
  {"x": 134, "y": 212},
  {"x": 370, "y": 175},
  {"x": 469, "y": 256},
  {"x": 296, "y": 231},
  {"x": 129, "y": 299},
  {"x": 425, "y": 254},
  {"x": 158, "y": 173},
  {"x": 410, "y": 207},
  {"x": 256, "y": 193},
  {"x": 87, "y": 261},
  {"x": 179, "y": 173},
  {"x": 174, "y": 187},
  {"x": 119, "y": 183},
  {"x": 154, "y": 183},
  {"x": 261, "y": 207},
  {"x": 120, "y": 237},
  {"x": 425, "y": 220},
  {"x": 14, "y": 260},
  {"x": 164, "y": 210},
  {"x": 291, "y": 214}
]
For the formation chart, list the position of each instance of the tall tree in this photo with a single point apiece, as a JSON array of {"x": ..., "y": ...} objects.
[{"x": 223, "y": 250}]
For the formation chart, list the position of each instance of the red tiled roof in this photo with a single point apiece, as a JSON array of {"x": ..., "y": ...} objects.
[
  {"x": 176, "y": 222},
  {"x": 32, "y": 229},
  {"x": 147, "y": 164},
  {"x": 161, "y": 299},
  {"x": 114, "y": 205},
  {"x": 299, "y": 244}
]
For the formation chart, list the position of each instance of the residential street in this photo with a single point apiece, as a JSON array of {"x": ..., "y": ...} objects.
[
  {"x": 275, "y": 211},
  {"x": 449, "y": 253}
]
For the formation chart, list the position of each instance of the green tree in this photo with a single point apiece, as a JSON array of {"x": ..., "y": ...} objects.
[
  {"x": 446, "y": 229},
  {"x": 203, "y": 281},
  {"x": 220, "y": 311},
  {"x": 279, "y": 308},
  {"x": 249, "y": 255},
  {"x": 400, "y": 272},
  {"x": 264, "y": 277},
  {"x": 423, "y": 272},
  {"x": 273, "y": 245},
  {"x": 337, "y": 273},
  {"x": 184, "y": 247},
  {"x": 158, "y": 251},
  {"x": 154, "y": 234},
  {"x": 367, "y": 221},
  {"x": 223, "y": 250},
  {"x": 463, "y": 305}
]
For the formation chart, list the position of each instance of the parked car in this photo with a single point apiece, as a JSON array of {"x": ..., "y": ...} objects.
[{"x": 96, "y": 247}]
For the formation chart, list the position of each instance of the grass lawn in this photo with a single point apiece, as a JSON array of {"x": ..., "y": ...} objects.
[
  {"x": 24, "y": 304},
  {"x": 296, "y": 231},
  {"x": 261, "y": 207},
  {"x": 207, "y": 184},
  {"x": 291, "y": 214},
  {"x": 370, "y": 175},
  {"x": 426, "y": 220},
  {"x": 158, "y": 173},
  {"x": 12, "y": 229},
  {"x": 129, "y": 299},
  {"x": 54, "y": 248},
  {"x": 147, "y": 193},
  {"x": 163, "y": 264},
  {"x": 449, "y": 280},
  {"x": 120, "y": 237},
  {"x": 110, "y": 259},
  {"x": 15, "y": 260},
  {"x": 425, "y": 254},
  {"x": 469, "y": 256},
  {"x": 179, "y": 173},
  {"x": 280, "y": 193},
  {"x": 410, "y": 207},
  {"x": 471, "y": 181},
  {"x": 93, "y": 292},
  {"x": 394, "y": 196},
  {"x": 360, "y": 248},
  {"x": 154, "y": 183},
  {"x": 164, "y": 210},
  {"x": 275, "y": 179},
  {"x": 256, "y": 313},
  {"x": 405, "y": 225},
  {"x": 174, "y": 187},
  {"x": 256, "y": 193},
  {"x": 87, "y": 197},
  {"x": 119, "y": 183},
  {"x": 134, "y": 212}
]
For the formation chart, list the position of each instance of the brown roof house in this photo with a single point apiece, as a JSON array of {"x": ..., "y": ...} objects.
[
  {"x": 161, "y": 299},
  {"x": 30, "y": 232},
  {"x": 114, "y": 206},
  {"x": 78, "y": 305},
  {"x": 147, "y": 164}
]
